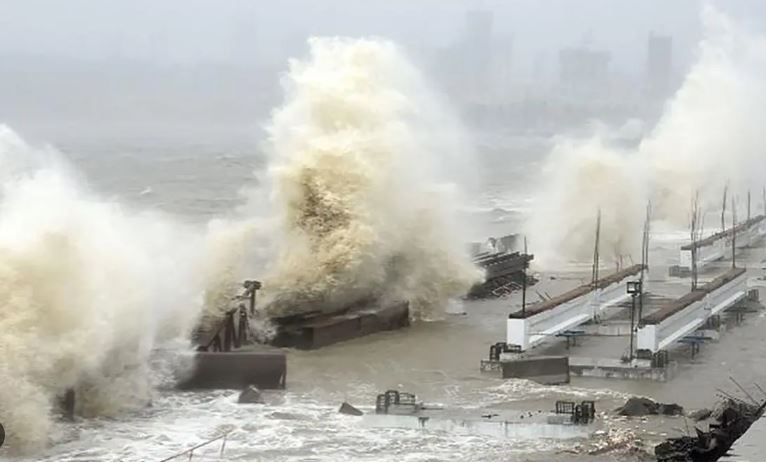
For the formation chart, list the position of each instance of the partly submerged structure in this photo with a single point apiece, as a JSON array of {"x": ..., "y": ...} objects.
[
  {"x": 505, "y": 270},
  {"x": 635, "y": 346},
  {"x": 231, "y": 355},
  {"x": 396, "y": 409},
  {"x": 228, "y": 355},
  {"x": 715, "y": 247},
  {"x": 313, "y": 330}
]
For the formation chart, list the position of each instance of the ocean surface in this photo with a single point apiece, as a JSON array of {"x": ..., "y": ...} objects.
[{"x": 439, "y": 361}]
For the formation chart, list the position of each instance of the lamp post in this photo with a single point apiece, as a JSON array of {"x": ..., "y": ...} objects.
[{"x": 634, "y": 289}]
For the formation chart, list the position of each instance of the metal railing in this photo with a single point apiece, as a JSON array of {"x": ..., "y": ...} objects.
[
  {"x": 228, "y": 334},
  {"x": 231, "y": 333},
  {"x": 190, "y": 451}
]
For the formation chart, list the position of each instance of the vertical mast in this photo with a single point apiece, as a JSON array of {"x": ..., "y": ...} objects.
[
  {"x": 524, "y": 282},
  {"x": 594, "y": 272},
  {"x": 733, "y": 233},
  {"x": 695, "y": 232},
  {"x": 644, "y": 257},
  {"x": 723, "y": 209}
]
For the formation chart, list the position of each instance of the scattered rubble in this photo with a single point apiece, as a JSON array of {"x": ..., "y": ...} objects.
[
  {"x": 250, "y": 395},
  {"x": 639, "y": 407},
  {"x": 348, "y": 409},
  {"x": 731, "y": 419},
  {"x": 700, "y": 414}
]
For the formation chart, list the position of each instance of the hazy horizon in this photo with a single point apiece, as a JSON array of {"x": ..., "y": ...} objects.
[{"x": 202, "y": 65}]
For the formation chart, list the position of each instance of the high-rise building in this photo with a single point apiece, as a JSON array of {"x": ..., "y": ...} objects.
[
  {"x": 475, "y": 50},
  {"x": 659, "y": 65},
  {"x": 583, "y": 71}
]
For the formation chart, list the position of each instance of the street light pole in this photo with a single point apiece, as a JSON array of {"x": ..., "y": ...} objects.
[
  {"x": 634, "y": 289},
  {"x": 632, "y": 323}
]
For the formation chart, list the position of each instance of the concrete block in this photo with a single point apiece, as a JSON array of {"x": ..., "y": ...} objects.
[{"x": 547, "y": 370}]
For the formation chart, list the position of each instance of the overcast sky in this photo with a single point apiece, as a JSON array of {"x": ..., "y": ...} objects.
[
  {"x": 174, "y": 33},
  {"x": 184, "y": 31},
  {"x": 193, "y": 30}
]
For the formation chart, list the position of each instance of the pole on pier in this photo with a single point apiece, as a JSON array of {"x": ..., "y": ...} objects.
[
  {"x": 723, "y": 209},
  {"x": 524, "y": 282},
  {"x": 634, "y": 290},
  {"x": 644, "y": 255},
  {"x": 632, "y": 323},
  {"x": 733, "y": 234},
  {"x": 594, "y": 272},
  {"x": 695, "y": 234}
]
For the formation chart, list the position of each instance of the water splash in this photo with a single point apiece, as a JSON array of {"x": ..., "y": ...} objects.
[
  {"x": 87, "y": 289},
  {"x": 709, "y": 133},
  {"x": 360, "y": 152}
]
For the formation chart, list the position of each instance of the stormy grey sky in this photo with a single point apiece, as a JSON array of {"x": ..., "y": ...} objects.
[
  {"x": 173, "y": 58},
  {"x": 183, "y": 31}
]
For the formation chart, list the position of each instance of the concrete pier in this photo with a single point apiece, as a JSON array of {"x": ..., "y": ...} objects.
[
  {"x": 719, "y": 245},
  {"x": 611, "y": 368},
  {"x": 546, "y": 370},
  {"x": 544, "y": 321},
  {"x": 682, "y": 317}
]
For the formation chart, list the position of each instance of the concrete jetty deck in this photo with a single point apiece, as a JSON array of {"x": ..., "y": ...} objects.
[
  {"x": 543, "y": 321},
  {"x": 717, "y": 246},
  {"x": 675, "y": 322}
]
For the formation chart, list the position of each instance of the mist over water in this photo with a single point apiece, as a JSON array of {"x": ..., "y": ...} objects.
[{"x": 709, "y": 133}]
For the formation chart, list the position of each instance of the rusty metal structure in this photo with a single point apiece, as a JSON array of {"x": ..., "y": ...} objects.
[
  {"x": 230, "y": 355},
  {"x": 227, "y": 355},
  {"x": 504, "y": 273},
  {"x": 231, "y": 332}
]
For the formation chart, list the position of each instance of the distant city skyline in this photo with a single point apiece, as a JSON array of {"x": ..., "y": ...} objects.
[{"x": 146, "y": 62}]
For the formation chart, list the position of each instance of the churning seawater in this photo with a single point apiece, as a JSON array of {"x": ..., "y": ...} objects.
[{"x": 438, "y": 361}]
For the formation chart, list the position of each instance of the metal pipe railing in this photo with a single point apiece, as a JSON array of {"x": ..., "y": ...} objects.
[{"x": 190, "y": 451}]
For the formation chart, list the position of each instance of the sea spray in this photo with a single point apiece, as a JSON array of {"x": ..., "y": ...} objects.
[
  {"x": 710, "y": 133},
  {"x": 358, "y": 153},
  {"x": 712, "y": 130},
  {"x": 583, "y": 177},
  {"x": 87, "y": 290}
]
